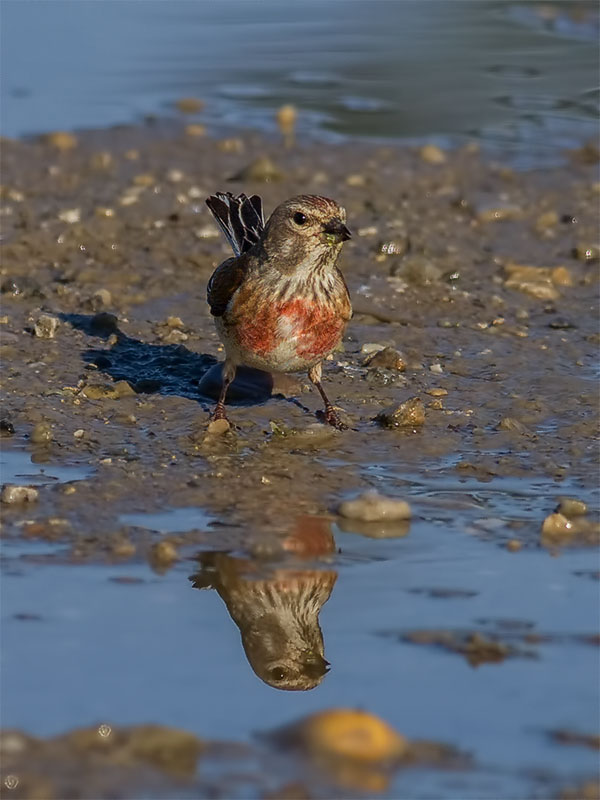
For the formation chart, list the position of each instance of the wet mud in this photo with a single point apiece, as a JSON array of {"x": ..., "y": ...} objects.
[{"x": 467, "y": 380}]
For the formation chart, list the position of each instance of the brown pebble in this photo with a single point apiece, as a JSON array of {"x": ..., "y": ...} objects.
[
  {"x": 514, "y": 545},
  {"x": 571, "y": 507},
  {"x": 409, "y": 414},
  {"x": 61, "y": 140},
  {"x": 41, "y": 433},
  {"x": 189, "y": 105},
  {"x": 432, "y": 154},
  {"x": 218, "y": 426},
  {"x": 12, "y": 495},
  {"x": 388, "y": 358},
  {"x": 436, "y": 392},
  {"x": 195, "y": 130},
  {"x": 163, "y": 553}
]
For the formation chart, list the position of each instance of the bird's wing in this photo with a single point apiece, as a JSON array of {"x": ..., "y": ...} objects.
[
  {"x": 240, "y": 218},
  {"x": 224, "y": 282}
]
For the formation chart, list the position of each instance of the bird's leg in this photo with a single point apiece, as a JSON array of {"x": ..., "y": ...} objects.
[
  {"x": 228, "y": 376},
  {"x": 329, "y": 415}
]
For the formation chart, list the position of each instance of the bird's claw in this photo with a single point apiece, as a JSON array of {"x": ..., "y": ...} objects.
[{"x": 331, "y": 418}]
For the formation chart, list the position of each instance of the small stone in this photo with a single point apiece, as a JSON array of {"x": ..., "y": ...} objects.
[
  {"x": 163, "y": 553},
  {"x": 102, "y": 298},
  {"x": 286, "y": 119},
  {"x": 261, "y": 169},
  {"x": 174, "y": 322},
  {"x": 587, "y": 252},
  {"x": 79, "y": 433},
  {"x": 144, "y": 179},
  {"x": 432, "y": 154},
  {"x": 13, "y": 495},
  {"x": 372, "y": 347},
  {"x": 374, "y": 507},
  {"x": 61, "y": 140},
  {"x": 217, "y": 427},
  {"x": 535, "y": 281},
  {"x": 195, "y": 130},
  {"x": 70, "y": 215},
  {"x": 45, "y": 326},
  {"x": 436, "y": 392},
  {"x": 388, "y": 358},
  {"x": 492, "y": 213},
  {"x": 231, "y": 145},
  {"x": 514, "y": 545},
  {"x": 561, "y": 277},
  {"x": 546, "y": 221},
  {"x": 437, "y": 369},
  {"x": 356, "y": 180},
  {"x": 6, "y": 428},
  {"x": 410, "y": 414},
  {"x": 175, "y": 175},
  {"x": 436, "y": 405},
  {"x": 571, "y": 507},
  {"x": 104, "y": 323},
  {"x": 189, "y": 105},
  {"x": 103, "y": 211},
  {"x": 41, "y": 433},
  {"x": 557, "y": 526}
]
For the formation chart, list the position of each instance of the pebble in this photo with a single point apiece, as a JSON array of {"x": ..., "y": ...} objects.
[
  {"x": 79, "y": 433},
  {"x": 61, "y": 140},
  {"x": 557, "y": 526},
  {"x": 571, "y": 507},
  {"x": 189, "y": 105},
  {"x": 587, "y": 252},
  {"x": 374, "y": 507},
  {"x": 539, "y": 282},
  {"x": 6, "y": 428},
  {"x": 417, "y": 270},
  {"x": 514, "y": 545},
  {"x": 432, "y": 154},
  {"x": 546, "y": 221},
  {"x": 13, "y": 495},
  {"x": 498, "y": 213},
  {"x": 70, "y": 215},
  {"x": 409, "y": 414},
  {"x": 437, "y": 369},
  {"x": 45, "y": 326},
  {"x": 286, "y": 119},
  {"x": 436, "y": 392},
  {"x": 41, "y": 433},
  {"x": 102, "y": 298},
  {"x": 371, "y": 347},
  {"x": 388, "y": 358},
  {"x": 104, "y": 323},
  {"x": 261, "y": 169},
  {"x": 195, "y": 130},
  {"x": 231, "y": 145},
  {"x": 341, "y": 733},
  {"x": 218, "y": 426},
  {"x": 163, "y": 553},
  {"x": 356, "y": 180}
]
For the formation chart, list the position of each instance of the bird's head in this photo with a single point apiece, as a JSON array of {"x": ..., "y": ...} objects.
[{"x": 305, "y": 230}]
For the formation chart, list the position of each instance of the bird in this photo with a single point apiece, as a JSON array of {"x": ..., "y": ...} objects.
[
  {"x": 280, "y": 303},
  {"x": 277, "y": 615}
]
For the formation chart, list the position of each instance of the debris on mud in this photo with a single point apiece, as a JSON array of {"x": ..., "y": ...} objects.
[{"x": 373, "y": 507}]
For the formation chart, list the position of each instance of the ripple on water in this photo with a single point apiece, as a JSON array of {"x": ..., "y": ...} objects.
[{"x": 17, "y": 466}]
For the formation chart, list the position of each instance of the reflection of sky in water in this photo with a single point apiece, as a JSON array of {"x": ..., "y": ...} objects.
[
  {"x": 406, "y": 68},
  {"x": 16, "y": 466},
  {"x": 170, "y": 521}
]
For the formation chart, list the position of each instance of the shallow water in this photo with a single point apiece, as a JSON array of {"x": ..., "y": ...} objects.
[
  {"x": 123, "y": 644},
  {"x": 520, "y": 76}
]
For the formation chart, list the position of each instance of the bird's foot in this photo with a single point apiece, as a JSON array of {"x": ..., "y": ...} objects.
[
  {"x": 330, "y": 417},
  {"x": 219, "y": 413}
]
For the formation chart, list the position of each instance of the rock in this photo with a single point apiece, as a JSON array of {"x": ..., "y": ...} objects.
[
  {"x": 346, "y": 734},
  {"x": 46, "y": 326},
  {"x": 590, "y": 253},
  {"x": 163, "y": 553},
  {"x": 436, "y": 392},
  {"x": 70, "y": 215},
  {"x": 557, "y": 526},
  {"x": 371, "y": 347},
  {"x": 437, "y": 369},
  {"x": 513, "y": 425},
  {"x": 104, "y": 323},
  {"x": 108, "y": 391},
  {"x": 496, "y": 213},
  {"x": 189, "y": 105},
  {"x": 373, "y": 507},
  {"x": 409, "y": 414},
  {"x": 286, "y": 119},
  {"x": 6, "y": 428},
  {"x": 41, "y": 433},
  {"x": 571, "y": 507},
  {"x": 101, "y": 298},
  {"x": 195, "y": 129},
  {"x": 417, "y": 270},
  {"x": 388, "y": 358},
  {"x": 432, "y": 154},
  {"x": 217, "y": 427},
  {"x": 514, "y": 545},
  {"x": 61, "y": 140},
  {"x": 546, "y": 221},
  {"x": 262, "y": 169},
  {"x": 539, "y": 282},
  {"x": 13, "y": 495}
]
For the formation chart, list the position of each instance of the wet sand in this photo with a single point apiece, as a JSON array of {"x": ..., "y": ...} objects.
[{"x": 482, "y": 282}]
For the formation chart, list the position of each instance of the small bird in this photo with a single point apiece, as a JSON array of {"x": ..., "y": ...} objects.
[{"x": 281, "y": 303}]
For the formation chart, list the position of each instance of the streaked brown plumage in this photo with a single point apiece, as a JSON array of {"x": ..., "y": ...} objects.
[{"x": 281, "y": 303}]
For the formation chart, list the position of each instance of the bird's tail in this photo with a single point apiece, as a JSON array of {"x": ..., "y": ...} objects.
[{"x": 240, "y": 218}]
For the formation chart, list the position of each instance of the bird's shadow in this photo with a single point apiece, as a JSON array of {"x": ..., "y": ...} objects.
[{"x": 167, "y": 369}]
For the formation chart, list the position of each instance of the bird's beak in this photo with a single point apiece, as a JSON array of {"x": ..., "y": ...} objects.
[
  {"x": 335, "y": 227},
  {"x": 315, "y": 665}
]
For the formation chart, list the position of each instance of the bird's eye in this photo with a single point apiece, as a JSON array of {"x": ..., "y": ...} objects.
[
  {"x": 299, "y": 218},
  {"x": 277, "y": 674}
]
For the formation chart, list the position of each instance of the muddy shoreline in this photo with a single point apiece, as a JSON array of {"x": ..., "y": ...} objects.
[{"x": 481, "y": 281}]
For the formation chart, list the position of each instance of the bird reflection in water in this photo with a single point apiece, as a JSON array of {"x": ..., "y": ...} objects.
[{"x": 277, "y": 609}]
